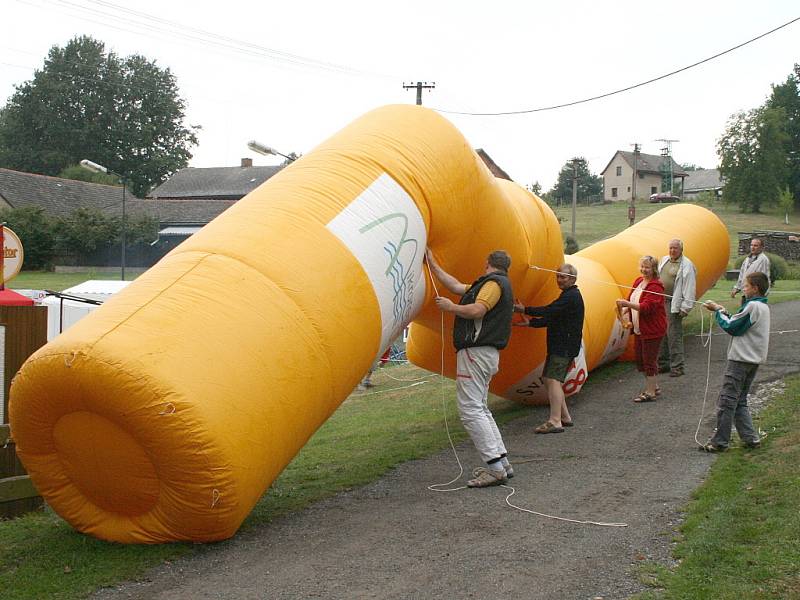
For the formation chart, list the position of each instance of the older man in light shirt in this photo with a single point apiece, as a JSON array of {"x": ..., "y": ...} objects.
[
  {"x": 679, "y": 276},
  {"x": 756, "y": 261}
]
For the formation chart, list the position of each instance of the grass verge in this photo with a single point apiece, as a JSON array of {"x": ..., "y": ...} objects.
[
  {"x": 42, "y": 557},
  {"x": 741, "y": 536}
]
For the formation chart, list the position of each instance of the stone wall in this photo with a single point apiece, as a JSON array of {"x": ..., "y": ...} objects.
[{"x": 782, "y": 243}]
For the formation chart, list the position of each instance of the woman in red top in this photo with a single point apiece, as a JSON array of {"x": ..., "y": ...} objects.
[{"x": 645, "y": 309}]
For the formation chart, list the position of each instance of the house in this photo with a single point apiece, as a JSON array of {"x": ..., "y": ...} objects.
[
  {"x": 702, "y": 180},
  {"x": 644, "y": 173},
  {"x": 491, "y": 165},
  {"x": 214, "y": 183},
  {"x": 59, "y": 197}
]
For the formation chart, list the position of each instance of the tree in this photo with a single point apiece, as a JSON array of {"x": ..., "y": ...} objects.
[
  {"x": 85, "y": 231},
  {"x": 140, "y": 230},
  {"x": 36, "y": 231},
  {"x": 753, "y": 158},
  {"x": 588, "y": 184},
  {"x": 78, "y": 173},
  {"x": 691, "y": 167},
  {"x": 124, "y": 113},
  {"x": 786, "y": 96},
  {"x": 535, "y": 188}
]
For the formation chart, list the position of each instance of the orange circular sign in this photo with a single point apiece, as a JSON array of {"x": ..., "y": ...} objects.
[{"x": 12, "y": 254}]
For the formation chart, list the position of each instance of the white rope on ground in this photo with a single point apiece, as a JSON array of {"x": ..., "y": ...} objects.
[
  {"x": 428, "y": 376},
  {"x": 579, "y": 522},
  {"x": 402, "y": 387}
]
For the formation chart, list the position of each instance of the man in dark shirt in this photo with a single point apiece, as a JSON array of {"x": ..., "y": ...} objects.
[{"x": 564, "y": 321}]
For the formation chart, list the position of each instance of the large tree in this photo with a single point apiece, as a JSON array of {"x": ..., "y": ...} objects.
[
  {"x": 124, "y": 113},
  {"x": 588, "y": 184},
  {"x": 753, "y": 158},
  {"x": 787, "y": 97}
]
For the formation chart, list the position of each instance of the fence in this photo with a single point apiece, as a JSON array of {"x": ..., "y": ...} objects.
[{"x": 23, "y": 329}]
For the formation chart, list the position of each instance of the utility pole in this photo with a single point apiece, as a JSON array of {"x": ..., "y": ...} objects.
[
  {"x": 574, "y": 192},
  {"x": 632, "y": 207},
  {"x": 419, "y": 86}
]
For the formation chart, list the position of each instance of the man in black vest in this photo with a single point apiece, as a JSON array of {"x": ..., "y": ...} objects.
[
  {"x": 564, "y": 321},
  {"x": 481, "y": 329}
]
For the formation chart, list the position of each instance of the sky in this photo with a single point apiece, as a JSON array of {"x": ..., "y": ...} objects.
[{"x": 291, "y": 74}]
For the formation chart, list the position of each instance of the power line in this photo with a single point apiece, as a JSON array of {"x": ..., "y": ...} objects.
[
  {"x": 619, "y": 91},
  {"x": 123, "y": 19}
]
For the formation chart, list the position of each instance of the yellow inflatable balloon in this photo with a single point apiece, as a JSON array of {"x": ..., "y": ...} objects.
[{"x": 167, "y": 413}]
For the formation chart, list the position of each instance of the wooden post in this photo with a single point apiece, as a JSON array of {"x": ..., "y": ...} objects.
[{"x": 23, "y": 329}]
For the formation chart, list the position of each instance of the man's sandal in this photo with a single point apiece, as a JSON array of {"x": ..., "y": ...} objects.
[
  {"x": 548, "y": 427},
  {"x": 644, "y": 397}
]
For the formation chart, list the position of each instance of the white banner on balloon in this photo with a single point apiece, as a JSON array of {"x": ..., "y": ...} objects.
[
  {"x": 384, "y": 230},
  {"x": 531, "y": 387}
]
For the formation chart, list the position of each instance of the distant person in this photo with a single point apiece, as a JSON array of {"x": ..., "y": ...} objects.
[
  {"x": 756, "y": 262},
  {"x": 645, "y": 310},
  {"x": 482, "y": 328},
  {"x": 366, "y": 381},
  {"x": 679, "y": 277},
  {"x": 748, "y": 348},
  {"x": 564, "y": 321}
]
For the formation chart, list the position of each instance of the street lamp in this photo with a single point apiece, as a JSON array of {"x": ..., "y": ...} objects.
[
  {"x": 95, "y": 168},
  {"x": 267, "y": 150}
]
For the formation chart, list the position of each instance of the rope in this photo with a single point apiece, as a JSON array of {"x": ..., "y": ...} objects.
[
  {"x": 441, "y": 487},
  {"x": 540, "y": 514},
  {"x": 708, "y": 376}
]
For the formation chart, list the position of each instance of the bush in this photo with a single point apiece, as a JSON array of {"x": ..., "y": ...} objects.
[
  {"x": 36, "y": 231},
  {"x": 570, "y": 245},
  {"x": 778, "y": 267}
]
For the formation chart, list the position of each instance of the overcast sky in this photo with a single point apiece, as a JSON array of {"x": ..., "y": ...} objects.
[{"x": 312, "y": 67}]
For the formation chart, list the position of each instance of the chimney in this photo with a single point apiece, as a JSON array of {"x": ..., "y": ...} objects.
[{"x": 247, "y": 162}]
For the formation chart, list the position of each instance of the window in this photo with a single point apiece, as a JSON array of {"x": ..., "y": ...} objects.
[
  {"x": 629, "y": 189},
  {"x": 653, "y": 189},
  {"x": 619, "y": 171},
  {"x": 613, "y": 192},
  {"x": 641, "y": 175}
]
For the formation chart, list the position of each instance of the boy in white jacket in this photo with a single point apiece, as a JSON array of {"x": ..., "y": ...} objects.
[{"x": 748, "y": 348}]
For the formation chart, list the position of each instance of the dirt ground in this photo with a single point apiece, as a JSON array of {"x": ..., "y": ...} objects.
[{"x": 622, "y": 462}]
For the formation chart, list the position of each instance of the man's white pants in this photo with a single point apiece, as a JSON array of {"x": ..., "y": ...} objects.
[{"x": 474, "y": 370}]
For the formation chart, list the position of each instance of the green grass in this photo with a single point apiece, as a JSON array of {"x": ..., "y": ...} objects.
[
  {"x": 45, "y": 280},
  {"x": 595, "y": 223},
  {"x": 741, "y": 536},
  {"x": 41, "y": 556}
]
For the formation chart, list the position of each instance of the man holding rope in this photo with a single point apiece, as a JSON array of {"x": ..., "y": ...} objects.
[
  {"x": 482, "y": 328},
  {"x": 564, "y": 321}
]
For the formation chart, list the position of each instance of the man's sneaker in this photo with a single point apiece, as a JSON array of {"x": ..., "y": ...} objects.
[
  {"x": 753, "y": 445},
  {"x": 487, "y": 477},
  {"x": 676, "y": 372},
  {"x": 509, "y": 471}
]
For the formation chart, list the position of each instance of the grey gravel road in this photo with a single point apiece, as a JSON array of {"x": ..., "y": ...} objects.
[{"x": 622, "y": 462}]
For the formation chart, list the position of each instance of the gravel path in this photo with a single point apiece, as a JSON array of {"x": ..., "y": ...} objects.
[{"x": 622, "y": 462}]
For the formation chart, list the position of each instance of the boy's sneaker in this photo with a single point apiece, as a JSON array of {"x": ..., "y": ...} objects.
[
  {"x": 487, "y": 477},
  {"x": 712, "y": 448},
  {"x": 753, "y": 445},
  {"x": 509, "y": 472}
]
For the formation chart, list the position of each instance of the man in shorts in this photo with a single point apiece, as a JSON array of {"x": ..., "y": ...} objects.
[{"x": 564, "y": 321}]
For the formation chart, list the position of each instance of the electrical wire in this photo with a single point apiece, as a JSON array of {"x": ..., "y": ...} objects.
[{"x": 621, "y": 90}]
